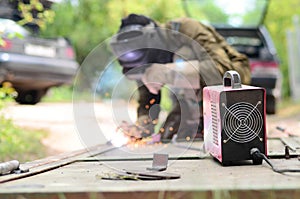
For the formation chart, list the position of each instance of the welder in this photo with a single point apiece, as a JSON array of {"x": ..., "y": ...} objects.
[{"x": 184, "y": 54}]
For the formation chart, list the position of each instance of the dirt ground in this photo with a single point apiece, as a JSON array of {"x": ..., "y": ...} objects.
[
  {"x": 287, "y": 117},
  {"x": 58, "y": 120}
]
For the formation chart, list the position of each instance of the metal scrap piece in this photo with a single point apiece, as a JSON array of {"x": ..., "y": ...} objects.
[
  {"x": 291, "y": 143},
  {"x": 154, "y": 174},
  {"x": 160, "y": 162}
]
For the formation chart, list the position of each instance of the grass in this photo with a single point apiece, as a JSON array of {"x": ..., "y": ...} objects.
[
  {"x": 19, "y": 143},
  {"x": 288, "y": 108},
  {"x": 59, "y": 94},
  {"x": 65, "y": 94},
  {"x": 16, "y": 142}
]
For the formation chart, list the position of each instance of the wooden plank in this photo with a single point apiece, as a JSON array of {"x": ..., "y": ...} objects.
[
  {"x": 130, "y": 152},
  {"x": 69, "y": 176},
  {"x": 98, "y": 152},
  {"x": 197, "y": 176},
  {"x": 183, "y": 150},
  {"x": 53, "y": 162},
  {"x": 211, "y": 194},
  {"x": 276, "y": 147},
  {"x": 291, "y": 142}
]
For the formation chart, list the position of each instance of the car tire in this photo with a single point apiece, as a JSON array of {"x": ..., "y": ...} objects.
[
  {"x": 271, "y": 104},
  {"x": 30, "y": 97}
]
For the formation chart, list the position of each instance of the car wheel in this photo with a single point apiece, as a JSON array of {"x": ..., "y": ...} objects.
[
  {"x": 30, "y": 97},
  {"x": 271, "y": 104}
]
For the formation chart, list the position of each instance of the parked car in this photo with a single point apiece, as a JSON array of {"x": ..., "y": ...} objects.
[
  {"x": 257, "y": 44},
  {"x": 241, "y": 24},
  {"x": 32, "y": 64}
]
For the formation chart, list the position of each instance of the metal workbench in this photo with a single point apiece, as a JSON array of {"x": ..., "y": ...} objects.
[{"x": 79, "y": 174}]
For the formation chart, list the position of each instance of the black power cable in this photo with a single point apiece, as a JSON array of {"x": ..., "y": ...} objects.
[{"x": 256, "y": 154}]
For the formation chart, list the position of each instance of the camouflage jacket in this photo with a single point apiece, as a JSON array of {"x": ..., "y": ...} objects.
[{"x": 223, "y": 56}]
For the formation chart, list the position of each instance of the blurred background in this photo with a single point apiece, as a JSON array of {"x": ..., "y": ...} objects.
[{"x": 88, "y": 23}]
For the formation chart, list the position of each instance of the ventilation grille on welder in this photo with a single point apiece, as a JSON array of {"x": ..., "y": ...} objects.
[
  {"x": 214, "y": 123},
  {"x": 242, "y": 122}
]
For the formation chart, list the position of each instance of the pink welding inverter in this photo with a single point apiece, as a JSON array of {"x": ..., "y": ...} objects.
[{"x": 234, "y": 120}]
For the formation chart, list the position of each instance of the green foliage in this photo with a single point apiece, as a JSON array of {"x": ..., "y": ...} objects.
[
  {"x": 202, "y": 10},
  {"x": 255, "y": 12},
  {"x": 278, "y": 20},
  {"x": 89, "y": 22},
  {"x": 7, "y": 93},
  {"x": 59, "y": 94},
  {"x": 17, "y": 143},
  {"x": 27, "y": 11}
]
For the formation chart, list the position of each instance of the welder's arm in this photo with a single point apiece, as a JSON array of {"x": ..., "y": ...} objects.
[
  {"x": 185, "y": 74},
  {"x": 148, "y": 102}
]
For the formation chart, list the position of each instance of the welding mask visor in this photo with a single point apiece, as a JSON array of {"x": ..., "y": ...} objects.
[{"x": 137, "y": 45}]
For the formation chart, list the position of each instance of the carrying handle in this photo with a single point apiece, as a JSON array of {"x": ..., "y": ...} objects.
[{"x": 232, "y": 78}]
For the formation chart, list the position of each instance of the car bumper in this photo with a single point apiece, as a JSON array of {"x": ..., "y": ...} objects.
[
  {"x": 266, "y": 82},
  {"x": 271, "y": 84},
  {"x": 22, "y": 69}
]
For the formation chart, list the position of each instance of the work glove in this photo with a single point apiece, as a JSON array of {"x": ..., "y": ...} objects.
[
  {"x": 146, "y": 125},
  {"x": 182, "y": 74},
  {"x": 143, "y": 128}
]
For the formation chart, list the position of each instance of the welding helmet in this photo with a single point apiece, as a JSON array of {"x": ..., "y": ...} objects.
[{"x": 139, "y": 42}]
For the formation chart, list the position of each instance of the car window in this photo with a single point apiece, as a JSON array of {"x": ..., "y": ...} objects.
[
  {"x": 236, "y": 13},
  {"x": 250, "y": 46},
  {"x": 9, "y": 27},
  {"x": 248, "y": 41}
]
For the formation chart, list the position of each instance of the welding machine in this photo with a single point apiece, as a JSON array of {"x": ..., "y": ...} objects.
[{"x": 234, "y": 120}]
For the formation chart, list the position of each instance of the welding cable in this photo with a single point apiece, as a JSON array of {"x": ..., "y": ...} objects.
[{"x": 255, "y": 153}]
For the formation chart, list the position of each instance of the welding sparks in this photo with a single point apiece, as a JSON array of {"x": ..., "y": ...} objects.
[{"x": 118, "y": 139}]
